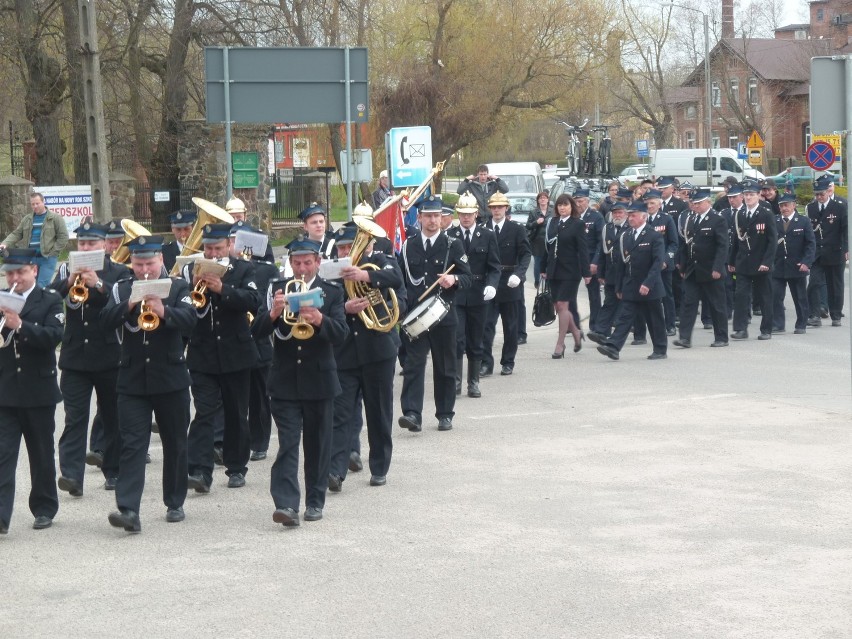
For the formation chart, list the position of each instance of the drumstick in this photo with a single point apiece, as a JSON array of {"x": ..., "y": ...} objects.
[{"x": 435, "y": 283}]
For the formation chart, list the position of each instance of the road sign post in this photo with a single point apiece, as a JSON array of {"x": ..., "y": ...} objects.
[{"x": 409, "y": 152}]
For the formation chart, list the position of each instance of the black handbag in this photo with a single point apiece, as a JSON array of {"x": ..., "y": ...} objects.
[{"x": 543, "y": 312}]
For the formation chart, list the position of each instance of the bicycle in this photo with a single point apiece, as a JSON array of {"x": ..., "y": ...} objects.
[
  {"x": 589, "y": 155},
  {"x": 604, "y": 159},
  {"x": 572, "y": 155}
]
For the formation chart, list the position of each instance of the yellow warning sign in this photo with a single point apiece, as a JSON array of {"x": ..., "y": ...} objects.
[{"x": 755, "y": 141}]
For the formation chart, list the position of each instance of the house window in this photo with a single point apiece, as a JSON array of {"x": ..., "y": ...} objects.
[
  {"x": 735, "y": 91},
  {"x": 733, "y": 140},
  {"x": 715, "y": 95},
  {"x": 690, "y": 112},
  {"x": 752, "y": 91},
  {"x": 819, "y": 15},
  {"x": 714, "y": 140},
  {"x": 806, "y": 136},
  {"x": 690, "y": 139},
  {"x": 801, "y": 34}
]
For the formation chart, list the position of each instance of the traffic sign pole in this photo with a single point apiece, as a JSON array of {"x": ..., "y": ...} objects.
[{"x": 848, "y": 64}]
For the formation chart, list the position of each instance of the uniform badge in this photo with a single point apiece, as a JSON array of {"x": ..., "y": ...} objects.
[
  {"x": 464, "y": 258},
  {"x": 61, "y": 317},
  {"x": 186, "y": 300},
  {"x": 252, "y": 286}
]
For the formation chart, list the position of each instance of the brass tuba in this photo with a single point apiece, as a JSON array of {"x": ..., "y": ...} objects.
[
  {"x": 132, "y": 230},
  {"x": 209, "y": 213},
  {"x": 301, "y": 329},
  {"x": 379, "y": 315}
]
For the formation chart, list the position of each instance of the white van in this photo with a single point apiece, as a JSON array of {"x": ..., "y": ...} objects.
[
  {"x": 520, "y": 177},
  {"x": 691, "y": 165}
]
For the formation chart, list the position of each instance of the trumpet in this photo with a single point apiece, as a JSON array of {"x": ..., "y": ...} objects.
[
  {"x": 197, "y": 295},
  {"x": 79, "y": 292},
  {"x": 148, "y": 320},
  {"x": 3, "y": 318},
  {"x": 301, "y": 329}
]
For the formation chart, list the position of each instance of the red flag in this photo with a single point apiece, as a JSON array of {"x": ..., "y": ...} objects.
[{"x": 390, "y": 219}]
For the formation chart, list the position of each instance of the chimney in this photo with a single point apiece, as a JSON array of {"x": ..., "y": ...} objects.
[{"x": 727, "y": 18}]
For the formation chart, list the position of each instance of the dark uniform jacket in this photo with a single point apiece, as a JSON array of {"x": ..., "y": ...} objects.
[
  {"x": 421, "y": 270},
  {"x": 304, "y": 369},
  {"x": 152, "y": 362},
  {"x": 705, "y": 246},
  {"x": 729, "y": 215},
  {"x": 28, "y": 355},
  {"x": 796, "y": 246},
  {"x": 483, "y": 260},
  {"x": 264, "y": 273},
  {"x": 365, "y": 346},
  {"x": 567, "y": 256},
  {"x": 222, "y": 341},
  {"x": 85, "y": 347},
  {"x": 594, "y": 226},
  {"x": 830, "y": 231},
  {"x": 754, "y": 240},
  {"x": 609, "y": 265},
  {"x": 643, "y": 263},
  {"x": 675, "y": 208},
  {"x": 514, "y": 249},
  {"x": 664, "y": 224}
]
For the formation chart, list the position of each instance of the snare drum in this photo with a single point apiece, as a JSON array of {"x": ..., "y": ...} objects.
[{"x": 424, "y": 316}]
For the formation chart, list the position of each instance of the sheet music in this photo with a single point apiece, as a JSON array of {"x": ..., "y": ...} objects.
[
  {"x": 78, "y": 260},
  {"x": 183, "y": 260},
  {"x": 306, "y": 299},
  {"x": 203, "y": 266},
  {"x": 159, "y": 288},
  {"x": 331, "y": 269},
  {"x": 256, "y": 242},
  {"x": 12, "y": 301}
]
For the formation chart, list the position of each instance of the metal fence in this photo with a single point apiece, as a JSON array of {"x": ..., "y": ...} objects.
[
  {"x": 153, "y": 206},
  {"x": 292, "y": 195},
  {"x": 12, "y": 138}
]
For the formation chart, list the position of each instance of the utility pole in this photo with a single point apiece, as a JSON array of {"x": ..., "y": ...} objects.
[{"x": 93, "y": 102}]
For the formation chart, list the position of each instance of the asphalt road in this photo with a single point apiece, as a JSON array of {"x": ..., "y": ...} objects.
[{"x": 706, "y": 495}]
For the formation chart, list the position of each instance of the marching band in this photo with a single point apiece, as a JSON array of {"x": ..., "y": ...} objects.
[{"x": 149, "y": 326}]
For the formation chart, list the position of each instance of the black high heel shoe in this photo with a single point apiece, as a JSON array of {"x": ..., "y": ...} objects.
[
  {"x": 578, "y": 343},
  {"x": 560, "y": 355}
]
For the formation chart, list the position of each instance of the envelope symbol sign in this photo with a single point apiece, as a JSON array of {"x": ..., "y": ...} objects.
[{"x": 417, "y": 150}]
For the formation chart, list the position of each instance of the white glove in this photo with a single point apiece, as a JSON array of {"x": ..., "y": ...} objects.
[
  {"x": 514, "y": 280},
  {"x": 489, "y": 293}
]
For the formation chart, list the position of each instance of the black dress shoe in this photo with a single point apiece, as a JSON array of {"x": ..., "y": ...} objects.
[
  {"x": 473, "y": 390},
  {"x": 410, "y": 421},
  {"x": 683, "y": 343},
  {"x": 355, "y": 463},
  {"x": 708, "y": 327},
  {"x": 258, "y": 455},
  {"x": 522, "y": 341},
  {"x": 657, "y": 356},
  {"x": 445, "y": 423},
  {"x": 778, "y": 331},
  {"x": 671, "y": 332},
  {"x": 70, "y": 486},
  {"x": 237, "y": 480},
  {"x": 506, "y": 370},
  {"x": 458, "y": 388},
  {"x": 835, "y": 323},
  {"x": 378, "y": 480},
  {"x": 4, "y": 528},
  {"x": 95, "y": 458},
  {"x": 41, "y": 522},
  {"x": 484, "y": 371},
  {"x": 597, "y": 338},
  {"x": 739, "y": 335},
  {"x": 609, "y": 351},
  {"x": 218, "y": 455},
  {"x": 286, "y": 516},
  {"x": 197, "y": 483},
  {"x": 799, "y": 331},
  {"x": 815, "y": 322},
  {"x": 719, "y": 344},
  {"x": 756, "y": 312},
  {"x": 126, "y": 519},
  {"x": 764, "y": 336},
  {"x": 147, "y": 458},
  {"x": 174, "y": 515},
  {"x": 335, "y": 483},
  {"x": 638, "y": 342},
  {"x": 110, "y": 483},
  {"x": 823, "y": 313},
  {"x": 312, "y": 513}
]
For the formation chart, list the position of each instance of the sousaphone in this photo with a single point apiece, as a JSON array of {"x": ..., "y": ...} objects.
[
  {"x": 208, "y": 213},
  {"x": 132, "y": 230}
]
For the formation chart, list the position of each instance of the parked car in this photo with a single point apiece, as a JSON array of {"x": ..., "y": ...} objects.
[
  {"x": 799, "y": 175},
  {"x": 633, "y": 175},
  {"x": 691, "y": 165}
]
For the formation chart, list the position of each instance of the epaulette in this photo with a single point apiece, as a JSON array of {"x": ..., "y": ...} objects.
[
  {"x": 129, "y": 278},
  {"x": 333, "y": 283}
]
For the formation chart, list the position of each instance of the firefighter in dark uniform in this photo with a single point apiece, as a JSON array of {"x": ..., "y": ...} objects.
[
  {"x": 114, "y": 237},
  {"x": 303, "y": 384},
  {"x": 609, "y": 271},
  {"x": 515, "y": 254},
  {"x": 736, "y": 208},
  {"x": 640, "y": 287},
  {"x": 426, "y": 259},
  {"x": 594, "y": 230},
  {"x": 220, "y": 355},
  {"x": 701, "y": 261},
  {"x": 88, "y": 360},
  {"x": 829, "y": 217},
  {"x": 471, "y": 304},
  {"x": 365, "y": 364},
  {"x": 152, "y": 377},
  {"x": 28, "y": 390},
  {"x": 793, "y": 260},
  {"x": 673, "y": 207},
  {"x": 182, "y": 222},
  {"x": 752, "y": 258},
  {"x": 315, "y": 225}
]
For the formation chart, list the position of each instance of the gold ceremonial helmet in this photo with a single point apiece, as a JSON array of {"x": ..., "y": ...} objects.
[
  {"x": 235, "y": 205},
  {"x": 363, "y": 210},
  {"x": 498, "y": 199},
  {"x": 467, "y": 204}
]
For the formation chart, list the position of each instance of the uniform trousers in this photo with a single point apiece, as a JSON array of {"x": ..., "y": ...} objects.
[
  {"x": 609, "y": 311},
  {"x": 228, "y": 393},
  {"x": 522, "y": 318},
  {"x": 470, "y": 328},
  {"x": 639, "y": 328},
  {"x": 508, "y": 312},
  {"x": 260, "y": 414},
  {"x": 798, "y": 291},
  {"x": 76, "y": 389},
  {"x": 375, "y": 381},
  {"x": 292, "y": 417},
  {"x": 729, "y": 294},
  {"x": 594, "y": 289},
  {"x": 713, "y": 294},
  {"x": 651, "y": 314},
  {"x": 758, "y": 286},
  {"x": 441, "y": 342},
  {"x": 171, "y": 410},
  {"x": 96, "y": 434},
  {"x": 36, "y": 426},
  {"x": 832, "y": 275}
]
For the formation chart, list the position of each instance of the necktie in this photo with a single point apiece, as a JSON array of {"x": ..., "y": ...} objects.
[
  {"x": 635, "y": 236},
  {"x": 497, "y": 231},
  {"x": 428, "y": 244},
  {"x": 786, "y": 223},
  {"x": 821, "y": 208},
  {"x": 467, "y": 241}
]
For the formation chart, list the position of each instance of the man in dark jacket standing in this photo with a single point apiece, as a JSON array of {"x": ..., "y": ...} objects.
[
  {"x": 793, "y": 260},
  {"x": 829, "y": 217},
  {"x": 482, "y": 186}
]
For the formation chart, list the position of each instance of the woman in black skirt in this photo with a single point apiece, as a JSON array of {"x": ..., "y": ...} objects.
[{"x": 565, "y": 264}]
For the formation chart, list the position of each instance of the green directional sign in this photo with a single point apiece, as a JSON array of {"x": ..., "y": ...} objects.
[{"x": 245, "y": 167}]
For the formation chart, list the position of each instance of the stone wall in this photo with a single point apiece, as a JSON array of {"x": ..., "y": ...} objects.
[
  {"x": 14, "y": 202},
  {"x": 122, "y": 191}
]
